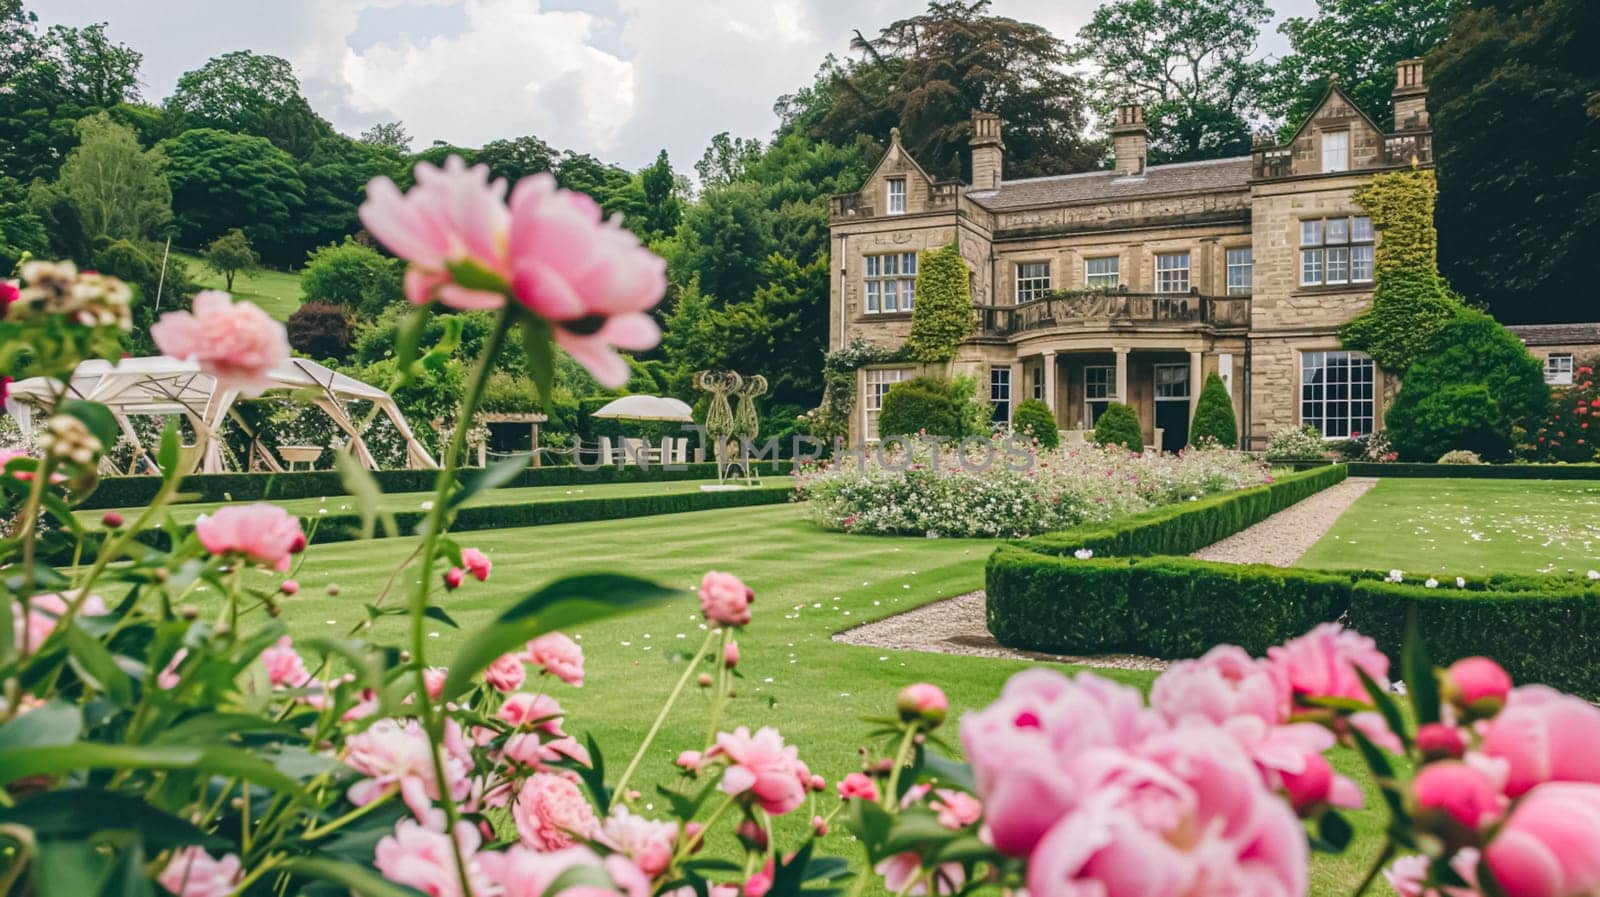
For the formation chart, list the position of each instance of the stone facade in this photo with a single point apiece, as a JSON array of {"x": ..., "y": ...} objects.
[{"x": 1135, "y": 283}]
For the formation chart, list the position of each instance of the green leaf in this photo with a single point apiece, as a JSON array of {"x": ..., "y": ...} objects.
[
  {"x": 213, "y": 727},
  {"x": 1382, "y": 774},
  {"x": 55, "y": 723},
  {"x": 949, "y": 772},
  {"x": 167, "y": 453},
  {"x": 965, "y": 849},
  {"x": 871, "y": 823},
  {"x": 68, "y": 869},
  {"x": 562, "y": 604},
  {"x": 788, "y": 877},
  {"x": 592, "y": 879},
  {"x": 97, "y": 417},
  {"x": 492, "y": 477},
  {"x": 81, "y": 812},
  {"x": 916, "y": 828},
  {"x": 1387, "y": 705},
  {"x": 594, "y": 775},
  {"x": 362, "y": 881},
  {"x": 473, "y": 276},
  {"x": 1421, "y": 682},
  {"x": 17, "y": 763},
  {"x": 408, "y": 339},
  {"x": 98, "y": 669},
  {"x": 363, "y": 487},
  {"x": 438, "y": 613},
  {"x": 1335, "y": 831},
  {"x": 540, "y": 352}
]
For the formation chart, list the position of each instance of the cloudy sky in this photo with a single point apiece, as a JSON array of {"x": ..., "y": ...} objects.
[{"x": 617, "y": 78}]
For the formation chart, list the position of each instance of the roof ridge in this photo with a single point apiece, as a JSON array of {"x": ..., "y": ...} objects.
[{"x": 1112, "y": 172}]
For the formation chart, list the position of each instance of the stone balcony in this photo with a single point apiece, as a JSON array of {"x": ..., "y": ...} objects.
[
  {"x": 1402, "y": 149},
  {"x": 1116, "y": 310}
]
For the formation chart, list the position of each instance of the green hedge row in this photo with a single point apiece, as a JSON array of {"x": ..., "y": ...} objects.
[
  {"x": 129, "y": 492},
  {"x": 346, "y": 527},
  {"x": 1542, "y": 629},
  {"x": 1478, "y": 471},
  {"x": 1188, "y": 526}
]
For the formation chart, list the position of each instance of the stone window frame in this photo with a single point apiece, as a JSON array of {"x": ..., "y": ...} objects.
[
  {"x": 1558, "y": 368},
  {"x": 875, "y": 385},
  {"x": 1322, "y": 149},
  {"x": 1356, "y": 393},
  {"x": 1000, "y": 392},
  {"x": 1167, "y": 279},
  {"x": 1353, "y": 244},
  {"x": 1115, "y": 274},
  {"x": 890, "y": 195},
  {"x": 1246, "y": 283},
  {"x": 1037, "y": 285},
  {"x": 875, "y": 283}
]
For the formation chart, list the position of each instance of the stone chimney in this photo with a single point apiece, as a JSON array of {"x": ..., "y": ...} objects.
[
  {"x": 988, "y": 151},
  {"x": 1130, "y": 139},
  {"x": 1410, "y": 96}
]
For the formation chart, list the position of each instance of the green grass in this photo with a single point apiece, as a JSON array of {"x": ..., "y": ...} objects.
[
  {"x": 809, "y": 584},
  {"x": 277, "y": 292},
  {"x": 413, "y": 501},
  {"x": 1459, "y": 526}
]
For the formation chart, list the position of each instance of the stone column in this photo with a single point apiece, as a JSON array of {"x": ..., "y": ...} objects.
[
  {"x": 1050, "y": 383},
  {"x": 1122, "y": 375},
  {"x": 1017, "y": 389},
  {"x": 1194, "y": 384}
]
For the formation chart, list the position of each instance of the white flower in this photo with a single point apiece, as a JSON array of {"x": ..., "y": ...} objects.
[
  {"x": 1083, "y": 554},
  {"x": 1594, "y": 574},
  {"x": 1395, "y": 576},
  {"x": 1461, "y": 582},
  {"x": 1432, "y": 583}
]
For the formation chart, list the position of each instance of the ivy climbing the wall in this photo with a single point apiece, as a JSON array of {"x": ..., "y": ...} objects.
[{"x": 943, "y": 316}]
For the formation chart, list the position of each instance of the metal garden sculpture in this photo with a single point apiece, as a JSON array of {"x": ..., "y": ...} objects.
[
  {"x": 746, "y": 422},
  {"x": 719, "y": 416}
]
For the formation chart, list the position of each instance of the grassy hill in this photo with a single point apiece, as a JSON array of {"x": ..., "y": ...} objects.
[{"x": 277, "y": 292}]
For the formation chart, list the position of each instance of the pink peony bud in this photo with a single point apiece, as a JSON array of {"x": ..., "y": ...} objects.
[
  {"x": 477, "y": 563},
  {"x": 725, "y": 599},
  {"x": 730, "y": 655},
  {"x": 1438, "y": 741},
  {"x": 289, "y": 587},
  {"x": 704, "y": 680},
  {"x": 818, "y": 784},
  {"x": 433, "y": 678},
  {"x": 858, "y": 785},
  {"x": 453, "y": 578},
  {"x": 923, "y": 703},
  {"x": 1310, "y": 788},
  {"x": 111, "y": 520},
  {"x": 752, "y": 835},
  {"x": 1455, "y": 800},
  {"x": 690, "y": 760},
  {"x": 760, "y": 883},
  {"x": 1477, "y": 685},
  {"x": 819, "y": 825}
]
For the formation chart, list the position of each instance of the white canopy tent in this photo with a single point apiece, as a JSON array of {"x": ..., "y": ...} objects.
[
  {"x": 646, "y": 408},
  {"x": 157, "y": 385}
]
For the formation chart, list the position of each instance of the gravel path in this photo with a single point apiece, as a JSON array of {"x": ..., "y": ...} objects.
[
  {"x": 956, "y": 625},
  {"x": 1282, "y": 538}
]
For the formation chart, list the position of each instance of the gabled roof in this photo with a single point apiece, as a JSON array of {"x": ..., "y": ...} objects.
[
  {"x": 1098, "y": 186},
  {"x": 1333, "y": 88},
  {"x": 894, "y": 143},
  {"x": 1557, "y": 334}
]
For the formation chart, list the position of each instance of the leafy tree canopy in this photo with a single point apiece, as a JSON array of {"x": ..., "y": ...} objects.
[
  {"x": 250, "y": 93},
  {"x": 230, "y": 255},
  {"x": 222, "y": 180},
  {"x": 118, "y": 188},
  {"x": 390, "y": 135}
]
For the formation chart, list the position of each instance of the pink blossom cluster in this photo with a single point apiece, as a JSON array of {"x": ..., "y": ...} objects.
[
  {"x": 259, "y": 533},
  {"x": 43, "y": 615},
  {"x": 235, "y": 342},
  {"x": 550, "y": 251}
]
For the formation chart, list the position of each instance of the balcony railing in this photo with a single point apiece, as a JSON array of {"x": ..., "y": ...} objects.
[
  {"x": 1116, "y": 309},
  {"x": 1399, "y": 149}
]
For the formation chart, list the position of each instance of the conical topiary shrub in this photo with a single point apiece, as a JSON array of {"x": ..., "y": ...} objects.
[
  {"x": 1213, "y": 416},
  {"x": 1119, "y": 425}
]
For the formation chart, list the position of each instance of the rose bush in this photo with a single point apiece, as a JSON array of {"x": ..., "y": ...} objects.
[{"x": 148, "y": 747}]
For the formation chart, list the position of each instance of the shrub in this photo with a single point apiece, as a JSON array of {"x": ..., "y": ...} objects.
[
  {"x": 943, "y": 316},
  {"x": 1119, "y": 425},
  {"x": 1564, "y": 434},
  {"x": 932, "y": 404},
  {"x": 1183, "y": 607},
  {"x": 1033, "y": 418},
  {"x": 230, "y": 255},
  {"x": 1060, "y": 604},
  {"x": 1473, "y": 388},
  {"x": 1213, "y": 416},
  {"x": 321, "y": 330},
  {"x": 1460, "y": 456},
  {"x": 1296, "y": 444},
  {"x": 353, "y": 275}
]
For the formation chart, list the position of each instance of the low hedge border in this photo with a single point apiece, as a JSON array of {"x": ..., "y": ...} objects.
[
  {"x": 346, "y": 527},
  {"x": 1456, "y": 471},
  {"x": 132, "y": 492},
  {"x": 1138, "y": 593}
]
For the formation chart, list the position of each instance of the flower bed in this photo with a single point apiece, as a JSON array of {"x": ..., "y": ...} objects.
[{"x": 1018, "y": 493}]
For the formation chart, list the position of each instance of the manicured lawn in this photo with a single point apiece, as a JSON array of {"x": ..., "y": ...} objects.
[
  {"x": 413, "y": 501},
  {"x": 809, "y": 584},
  {"x": 1459, "y": 526},
  {"x": 277, "y": 292}
]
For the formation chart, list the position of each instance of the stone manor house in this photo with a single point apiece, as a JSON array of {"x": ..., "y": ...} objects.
[{"x": 1134, "y": 284}]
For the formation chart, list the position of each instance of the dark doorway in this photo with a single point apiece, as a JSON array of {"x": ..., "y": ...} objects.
[{"x": 1172, "y": 405}]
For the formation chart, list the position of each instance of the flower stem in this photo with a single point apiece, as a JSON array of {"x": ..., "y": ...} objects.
[
  {"x": 891, "y": 793},
  {"x": 661, "y": 717},
  {"x": 720, "y": 698},
  {"x": 1372, "y": 874}
]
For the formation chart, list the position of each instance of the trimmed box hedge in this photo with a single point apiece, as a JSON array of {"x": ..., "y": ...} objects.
[
  {"x": 1477, "y": 471},
  {"x": 131, "y": 492}
]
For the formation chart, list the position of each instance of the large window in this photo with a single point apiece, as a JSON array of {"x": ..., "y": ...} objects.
[
  {"x": 1336, "y": 393},
  {"x": 1099, "y": 388},
  {"x": 1336, "y": 151},
  {"x": 891, "y": 283},
  {"x": 1558, "y": 370},
  {"x": 1335, "y": 251},
  {"x": 1172, "y": 272},
  {"x": 897, "y": 196},
  {"x": 1000, "y": 393},
  {"x": 878, "y": 383},
  {"x": 1102, "y": 273},
  {"x": 1036, "y": 378},
  {"x": 1033, "y": 281},
  {"x": 1241, "y": 271}
]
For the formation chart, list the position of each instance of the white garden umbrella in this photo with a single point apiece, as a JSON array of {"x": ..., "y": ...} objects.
[{"x": 647, "y": 408}]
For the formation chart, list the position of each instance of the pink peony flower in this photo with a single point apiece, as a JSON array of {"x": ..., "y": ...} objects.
[
  {"x": 284, "y": 666},
  {"x": 425, "y": 859},
  {"x": 289, "y": 587},
  {"x": 260, "y": 533},
  {"x": 454, "y": 577},
  {"x": 760, "y": 883},
  {"x": 725, "y": 600},
  {"x": 559, "y": 656},
  {"x": 433, "y": 679},
  {"x": 730, "y": 655},
  {"x": 394, "y": 755},
  {"x": 1408, "y": 874},
  {"x": 453, "y": 215},
  {"x": 477, "y": 563},
  {"x": 531, "y": 873},
  {"x": 762, "y": 766},
  {"x": 540, "y": 712},
  {"x": 44, "y": 611},
  {"x": 550, "y": 813},
  {"x": 1544, "y": 736},
  {"x": 1323, "y": 662},
  {"x": 924, "y": 703},
  {"x": 1438, "y": 741},
  {"x": 235, "y": 342},
  {"x": 1460, "y": 791},
  {"x": 1550, "y": 846},
  {"x": 956, "y": 809},
  {"x": 858, "y": 785},
  {"x": 1477, "y": 685},
  {"x": 168, "y": 678},
  {"x": 506, "y": 674},
  {"x": 1224, "y": 683},
  {"x": 650, "y": 844},
  {"x": 899, "y": 870},
  {"x": 194, "y": 873},
  {"x": 690, "y": 760}
]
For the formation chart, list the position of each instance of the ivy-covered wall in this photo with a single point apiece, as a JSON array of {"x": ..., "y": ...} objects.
[{"x": 943, "y": 316}]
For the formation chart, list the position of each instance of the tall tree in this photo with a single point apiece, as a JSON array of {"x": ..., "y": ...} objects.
[
  {"x": 1517, "y": 142},
  {"x": 222, "y": 180},
  {"x": 662, "y": 198},
  {"x": 1359, "y": 41},
  {"x": 336, "y": 174},
  {"x": 518, "y": 157},
  {"x": 927, "y": 73},
  {"x": 389, "y": 135},
  {"x": 118, "y": 187},
  {"x": 725, "y": 159},
  {"x": 231, "y": 255},
  {"x": 250, "y": 93},
  {"x": 1189, "y": 62},
  {"x": 95, "y": 70}
]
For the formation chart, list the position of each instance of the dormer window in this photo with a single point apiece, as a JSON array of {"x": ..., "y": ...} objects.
[
  {"x": 897, "y": 196},
  {"x": 1335, "y": 151}
]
